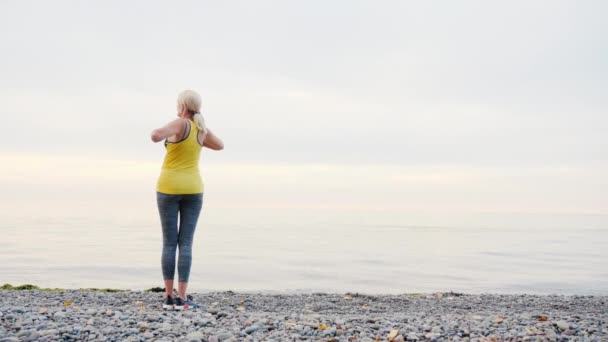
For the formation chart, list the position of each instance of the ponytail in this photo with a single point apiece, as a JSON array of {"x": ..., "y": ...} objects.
[
  {"x": 192, "y": 101},
  {"x": 199, "y": 121}
]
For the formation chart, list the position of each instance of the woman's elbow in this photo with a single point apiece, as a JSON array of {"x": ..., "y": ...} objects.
[
  {"x": 155, "y": 136},
  {"x": 216, "y": 146}
]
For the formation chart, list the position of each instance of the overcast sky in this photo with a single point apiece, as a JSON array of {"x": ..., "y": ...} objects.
[
  {"x": 467, "y": 82},
  {"x": 454, "y": 84}
]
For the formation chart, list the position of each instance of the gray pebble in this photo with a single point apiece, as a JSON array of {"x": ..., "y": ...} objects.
[
  {"x": 224, "y": 336},
  {"x": 251, "y": 329},
  {"x": 195, "y": 337},
  {"x": 9, "y": 339},
  {"x": 34, "y": 336},
  {"x": 49, "y": 332},
  {"x": 563, "y": 325},
  {"x": 23, "y": 333}
]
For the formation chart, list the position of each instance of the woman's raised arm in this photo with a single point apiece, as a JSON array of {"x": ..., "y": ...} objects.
[
  {"x": 212, "y": 141},
  {"x": 172, "y": 128}
]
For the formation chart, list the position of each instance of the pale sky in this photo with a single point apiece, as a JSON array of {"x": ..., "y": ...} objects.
[{"x": 515, "y": 91}]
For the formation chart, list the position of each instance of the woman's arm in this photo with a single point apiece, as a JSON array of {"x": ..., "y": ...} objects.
[
  {"x": 172, "y": 128},
  {"x": 212, "y": 141}
]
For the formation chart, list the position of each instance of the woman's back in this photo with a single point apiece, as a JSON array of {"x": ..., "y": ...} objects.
[{"x": 180, "y": 172}]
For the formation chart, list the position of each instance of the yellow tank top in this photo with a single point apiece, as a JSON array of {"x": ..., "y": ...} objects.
[{"x": 180, "y": 174}]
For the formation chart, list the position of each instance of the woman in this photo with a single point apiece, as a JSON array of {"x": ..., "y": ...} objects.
[{"x": 179, "y": 190}]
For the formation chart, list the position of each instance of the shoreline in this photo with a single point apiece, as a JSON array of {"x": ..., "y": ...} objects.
[
  {"x": 100, "y": 314},
  {"x": 25, "y": 287}
]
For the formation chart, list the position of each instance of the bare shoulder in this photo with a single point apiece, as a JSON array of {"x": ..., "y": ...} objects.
[
  {"x": 178, "y": 122},
  {"x": 172, "y": 129}
]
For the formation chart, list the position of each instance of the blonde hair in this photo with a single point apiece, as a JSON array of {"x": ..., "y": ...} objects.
[{"x": 192, "y": 101}]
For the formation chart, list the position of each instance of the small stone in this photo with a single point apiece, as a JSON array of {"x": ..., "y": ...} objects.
[
  {"x": 251, "y": 329},
  {"x": 60, "y": 314},
  {"x": 43, "y": 311},
  {"x": 23, "y": 333},
  {"x": 195, "y": 337},
  {"x": 391, "y": 336},
  {"x": 224, "y": 336},
  {"x": 148, "y": 334},
  {"x": 49, "y": 332},
  {"x": 330, "y": 332},
  {"x": 152, "y": 318},
  {"x": 34, "y": 336},
  {"x": 412, "y": 337},
  {"x": 562, "y": 325},
  {"x": 9, "y": 339},
  {"x": 165, "y": 327}
]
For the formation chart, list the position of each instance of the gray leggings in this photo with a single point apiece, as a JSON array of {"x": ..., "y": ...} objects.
[{"x": 189, "y": 207}]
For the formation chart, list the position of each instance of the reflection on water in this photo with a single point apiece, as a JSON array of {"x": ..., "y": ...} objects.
[{"x": 314, "y": 251}]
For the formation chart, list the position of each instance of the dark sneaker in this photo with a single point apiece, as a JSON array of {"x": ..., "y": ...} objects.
[
  {"x": 187, "y": 304},
  {"x": 179, "y": 304},
  {"x": 168, "y": 303},
  {"x": 190, "y": 304}
]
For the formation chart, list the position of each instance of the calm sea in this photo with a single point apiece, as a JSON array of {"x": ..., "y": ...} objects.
[{"x": 291, "y": 250}]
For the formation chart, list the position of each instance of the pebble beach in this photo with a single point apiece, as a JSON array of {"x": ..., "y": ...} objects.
[{"x": 85, "y": 315}]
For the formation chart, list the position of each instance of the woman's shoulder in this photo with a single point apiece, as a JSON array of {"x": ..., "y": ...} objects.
[
  {"x": 178, "y": 122},
  {"x": 182, "y": 123},
  {"x": 182, "y": 120}
]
